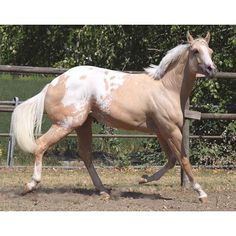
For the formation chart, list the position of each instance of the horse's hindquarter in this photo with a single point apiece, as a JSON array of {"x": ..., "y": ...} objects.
[{"x": 68, "y": 98}]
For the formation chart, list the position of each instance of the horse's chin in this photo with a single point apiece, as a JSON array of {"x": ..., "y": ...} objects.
[{"x": 210, "y": 74}]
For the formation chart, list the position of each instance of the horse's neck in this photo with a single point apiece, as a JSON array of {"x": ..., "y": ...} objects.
[{"x": 180, "y": 79}]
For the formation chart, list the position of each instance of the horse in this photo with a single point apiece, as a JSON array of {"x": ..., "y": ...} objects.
[{"x": 151, "y": 102}]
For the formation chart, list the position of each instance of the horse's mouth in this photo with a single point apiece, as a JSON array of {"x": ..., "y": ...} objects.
[{"x": 208, "y": 71}]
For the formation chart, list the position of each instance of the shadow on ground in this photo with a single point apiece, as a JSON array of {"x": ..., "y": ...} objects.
[{"x": 114, "y": 193}]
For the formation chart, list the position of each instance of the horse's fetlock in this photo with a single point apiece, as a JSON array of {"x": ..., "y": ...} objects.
[{"x": 36, "y": 179}]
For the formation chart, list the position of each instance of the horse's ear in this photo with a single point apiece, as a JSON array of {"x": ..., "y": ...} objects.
[
  {"x": 189, "y": 37},
  {"x": 208, "y": 37}
]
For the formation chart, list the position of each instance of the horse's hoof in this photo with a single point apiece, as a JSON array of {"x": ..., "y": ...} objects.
[
  {"x": 143, "y": 179},
  {"x": 26, "y": 190},
  {"x": 105, "y": 196},
  {"x": 203, "y": 200}
]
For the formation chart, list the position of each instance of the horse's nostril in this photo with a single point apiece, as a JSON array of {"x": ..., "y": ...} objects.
[{"x": 209, "y": 68}]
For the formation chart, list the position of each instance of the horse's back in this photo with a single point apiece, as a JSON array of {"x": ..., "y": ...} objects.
[{"x": 72, "y": 93}]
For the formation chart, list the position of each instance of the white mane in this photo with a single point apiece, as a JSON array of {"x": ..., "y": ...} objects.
[{"x": 157, "y": 72}]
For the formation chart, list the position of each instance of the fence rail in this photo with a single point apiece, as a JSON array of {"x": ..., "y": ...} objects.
[
  {"x": 8, "y": 106},
  {"x": 57, "y": 71},
  {"x": 133, "y": 136},
  {"x": 31, "y": 70}
]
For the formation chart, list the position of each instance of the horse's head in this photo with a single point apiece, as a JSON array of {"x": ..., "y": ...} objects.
[{"x": 200, "y": 55}]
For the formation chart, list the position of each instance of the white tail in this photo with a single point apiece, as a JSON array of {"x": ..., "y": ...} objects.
[{"x": 27, "y": 120}]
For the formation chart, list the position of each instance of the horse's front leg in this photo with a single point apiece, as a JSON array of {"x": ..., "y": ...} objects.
[
  {"x": 175, "y": 142},
  {"x": 169, "y": 165},
  {"x": 84, "y": 134},
  {"x": 54, "y": 134}
]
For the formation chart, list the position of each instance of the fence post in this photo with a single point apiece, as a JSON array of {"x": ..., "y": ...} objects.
[
  {"x": 184, "y": 177},
  {"x": 11, "y": 141}
]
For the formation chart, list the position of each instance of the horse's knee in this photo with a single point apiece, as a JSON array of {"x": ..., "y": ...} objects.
[{"x": 185, "y": 162}]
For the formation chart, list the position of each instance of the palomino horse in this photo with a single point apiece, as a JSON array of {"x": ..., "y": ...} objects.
[{"x": 151, "y": 102}]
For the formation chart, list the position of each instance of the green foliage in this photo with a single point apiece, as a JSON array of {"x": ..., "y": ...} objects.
[
  {"x": 122, "y": 47},
  {"x": 213, "y": 153},
  {"x": 33, "y": 45}
]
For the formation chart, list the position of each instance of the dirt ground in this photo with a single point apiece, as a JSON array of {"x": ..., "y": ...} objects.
[{"x": 72, "y": 190}]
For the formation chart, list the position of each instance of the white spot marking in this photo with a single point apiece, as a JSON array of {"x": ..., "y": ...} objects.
[
  {"x": 198, "y": 188},
  {"x": 79, "y": 92},
  {"x": 37, "y": 172}
]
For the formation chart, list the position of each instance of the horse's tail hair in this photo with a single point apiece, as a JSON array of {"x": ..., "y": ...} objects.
[{"x": 27, "y": 120}]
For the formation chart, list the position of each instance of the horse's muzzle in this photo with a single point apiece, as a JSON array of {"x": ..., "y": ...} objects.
[
  {"x": 210, "y": 71},
  {"x": 213, "y": 72}
]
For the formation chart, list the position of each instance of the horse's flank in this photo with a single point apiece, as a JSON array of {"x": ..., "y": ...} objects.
[{"x": 130, "y": 104}]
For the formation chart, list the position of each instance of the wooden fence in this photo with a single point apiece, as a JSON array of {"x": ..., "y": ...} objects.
[{"x": 8, "y": 106}]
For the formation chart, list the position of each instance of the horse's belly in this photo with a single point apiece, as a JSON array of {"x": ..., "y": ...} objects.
[
  {"x": 111, "y": 121},
  {"x": 121, "y": 121}
]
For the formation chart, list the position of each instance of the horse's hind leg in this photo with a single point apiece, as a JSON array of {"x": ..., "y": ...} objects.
[
  {"x": 84, "y": 133},
  {"x": 169, "y": 165},
  {"x": 52, "y": 136}
]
